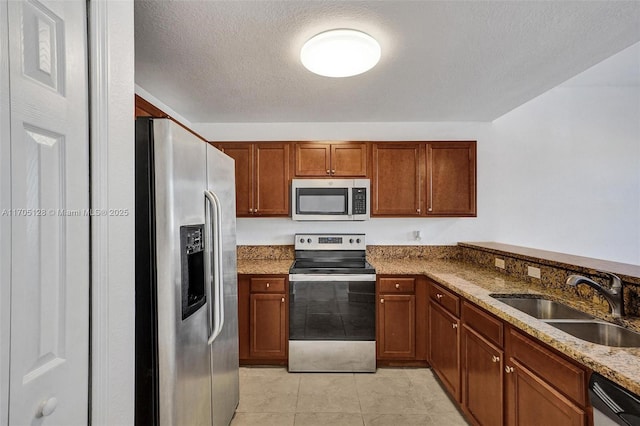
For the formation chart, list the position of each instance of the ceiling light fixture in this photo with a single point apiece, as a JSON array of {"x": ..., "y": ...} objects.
[{"x": 340, "y": 53}]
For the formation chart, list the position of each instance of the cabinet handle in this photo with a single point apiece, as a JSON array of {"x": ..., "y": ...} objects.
[
  {"x": 381, "y": 300},
  {"x": 508, "y": 369},
  {"x": 328, "y": 172},
  {"x": 268, "y": 285},
  {"x": 430, "y": 188},
  {"x": 454, "y": 325},
  {"x": 495, "y": 358},
  {"x": 439, "y": 296},
  {"x": 283, "y": 300},
  {"x": 397, "y": 285}
]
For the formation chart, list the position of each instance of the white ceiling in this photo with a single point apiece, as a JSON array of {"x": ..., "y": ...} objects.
[{"x": 237, "y": 61}]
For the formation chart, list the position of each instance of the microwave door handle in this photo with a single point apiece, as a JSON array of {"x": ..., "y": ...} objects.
[{"x": 349, "y": 202}]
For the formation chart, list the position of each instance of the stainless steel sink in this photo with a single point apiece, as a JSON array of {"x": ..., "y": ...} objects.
[
  {"x": 543, "y": 309},
  {"x": 572, "y": 321},
  {"x": 601, "y": 333}
]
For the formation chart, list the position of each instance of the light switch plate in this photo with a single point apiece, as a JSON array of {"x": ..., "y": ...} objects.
[{"x": 499, "y": 263}]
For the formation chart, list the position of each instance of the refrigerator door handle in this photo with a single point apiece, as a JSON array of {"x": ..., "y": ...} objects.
[
  {"x": 210, "y": 267},
  {"x": 216, "y": 228},
  {"x": 219, "y": 267}
]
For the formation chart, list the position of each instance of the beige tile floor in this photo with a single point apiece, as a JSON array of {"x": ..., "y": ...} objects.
[{"x": 394, "y": 397}]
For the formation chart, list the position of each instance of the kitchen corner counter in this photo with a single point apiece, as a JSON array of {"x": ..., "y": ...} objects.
[
  {"x": 264, "y": 266},
  {"x": 476, "y": 283}
]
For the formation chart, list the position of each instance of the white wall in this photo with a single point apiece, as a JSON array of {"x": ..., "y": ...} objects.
[{"x": 569, "y": 179}]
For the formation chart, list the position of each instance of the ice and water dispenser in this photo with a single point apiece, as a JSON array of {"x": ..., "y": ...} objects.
[{"x": 192, "y": 267}]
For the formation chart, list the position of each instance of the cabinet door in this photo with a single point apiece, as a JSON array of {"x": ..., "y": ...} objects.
[
  {"x": 349, "y": 159},
  {"x": 313, "y": 159},
  {"x": 532, "y": 401},
  {"x": 268, "y": 326},
  {"x": 396, "y": 179},
  {"x": 242, "y": 153},
  {"x": 451, "y": 179},
  {"x": 444, "y": 344},
  {"x": 396, "y": 326},
  {"x": 271, "y": 179},
  {"x": 481, "y": 379}
]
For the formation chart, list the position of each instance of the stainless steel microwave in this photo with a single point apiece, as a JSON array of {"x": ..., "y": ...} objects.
[{"x": 330, "y": 199}]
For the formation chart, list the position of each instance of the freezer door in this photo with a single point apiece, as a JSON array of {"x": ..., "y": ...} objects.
[
  {"x": 224, "y": 349},
  {"x": 183, "y": 352}
]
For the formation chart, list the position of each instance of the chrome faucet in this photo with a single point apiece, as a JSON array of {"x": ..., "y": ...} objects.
[{"x": 614, "y": 295}]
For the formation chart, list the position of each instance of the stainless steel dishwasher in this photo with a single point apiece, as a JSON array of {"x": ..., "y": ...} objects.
[{"x": 612, "y": 404}]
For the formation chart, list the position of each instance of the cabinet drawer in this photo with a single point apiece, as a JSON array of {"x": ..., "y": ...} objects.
[
  {"x": 267, "y": 285},
  {"x": 485, "y": 324},
  {"x": 397, "y": 285},
  {"x": 445, "y": 298},
  {"x": 563, "y": 375}
]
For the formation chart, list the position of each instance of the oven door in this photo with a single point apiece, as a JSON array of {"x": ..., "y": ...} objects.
[{"x": 332, "y": 323}]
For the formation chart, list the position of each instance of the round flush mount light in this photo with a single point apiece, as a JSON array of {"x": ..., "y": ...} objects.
[{"x": 340, "y": 53}]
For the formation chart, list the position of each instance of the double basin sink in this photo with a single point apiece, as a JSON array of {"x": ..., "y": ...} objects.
[{"x": 572, "y": 321}]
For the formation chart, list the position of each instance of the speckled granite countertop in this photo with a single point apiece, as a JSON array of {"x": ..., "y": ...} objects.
[
  {"x": 264, "y": 266},
  {"x": 621, "y": 365}
]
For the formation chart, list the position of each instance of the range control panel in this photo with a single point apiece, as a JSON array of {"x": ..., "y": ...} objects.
[{"x": 330, "y": 242}]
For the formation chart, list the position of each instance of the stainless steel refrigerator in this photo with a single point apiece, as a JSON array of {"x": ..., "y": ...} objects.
[{"x": 186, "y": 282}]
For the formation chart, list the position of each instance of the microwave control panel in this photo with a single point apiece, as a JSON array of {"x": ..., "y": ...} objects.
[{"x": 359, "y": 201}]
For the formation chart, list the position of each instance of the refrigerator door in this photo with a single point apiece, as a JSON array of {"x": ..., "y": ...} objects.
[
  {"x": 183, "y": 352},
  {"x": 224, "y": 349}
]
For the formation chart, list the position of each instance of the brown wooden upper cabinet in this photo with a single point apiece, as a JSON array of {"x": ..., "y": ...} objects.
[
  {"x": 336, "y": 159},
  {"x": 423, "y": 179},
  {"x": 262, "y": 177}
]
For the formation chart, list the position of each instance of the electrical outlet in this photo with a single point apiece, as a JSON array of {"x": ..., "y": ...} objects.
[
  {"x": 499, "y": 263},
  {"x": 533, "y": 272}
]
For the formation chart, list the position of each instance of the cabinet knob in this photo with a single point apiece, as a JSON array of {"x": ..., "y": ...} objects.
[
  {"x": 397, "y": 285},
  {"x": 283, "y": 300},
  {"x": 418, "y": 210},
  {"x": 333, "y": 172},
  {"x": 268, "y": 285},
  {"x": 495, "y": 358},
  {"x": 47, "y": 407},
  {"x": 250, "y": 210},
  {"x": 430, "y": 209},
  {"x": 439, "y": 296},
  {"x": 508, "y": 369},
  {"x": 381, "y": 300},
  {"x": 328, "y": 172},
  {"x": 454, "y": 325}
]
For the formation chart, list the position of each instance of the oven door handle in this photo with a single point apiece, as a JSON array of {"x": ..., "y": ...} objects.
[{"x": 332, "y": 277}]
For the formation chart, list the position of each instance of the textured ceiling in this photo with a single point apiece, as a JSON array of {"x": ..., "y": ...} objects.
[{"x": 237, "y": 61}]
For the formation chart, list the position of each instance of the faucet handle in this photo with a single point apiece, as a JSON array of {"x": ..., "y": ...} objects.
[{"x": 616, "y": 282}]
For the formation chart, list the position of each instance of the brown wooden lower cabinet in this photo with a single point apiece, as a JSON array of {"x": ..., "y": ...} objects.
[
  {"x": 542, "y": 387},
  {"x": 499, "y": 375},
  {"x": 444, "y": 348},
  {"x": 482, "y": 390},
  {"x": 263, "y": 319},
  {"x": 401, "y": 313}
]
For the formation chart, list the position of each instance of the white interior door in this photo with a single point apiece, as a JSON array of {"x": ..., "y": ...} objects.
[{"x": 49, "y": 205}]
